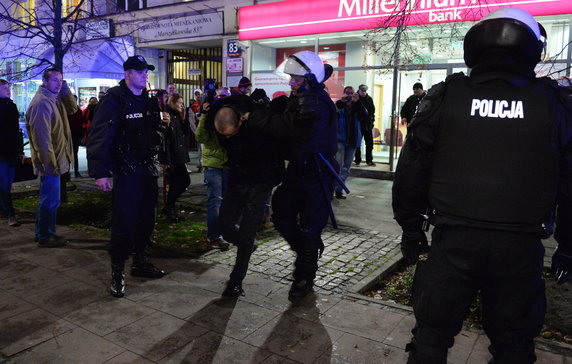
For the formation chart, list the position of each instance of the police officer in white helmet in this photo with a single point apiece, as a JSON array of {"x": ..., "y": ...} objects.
[
  {"x": 307, "y": 120},
  {"x": 490, "y": 156}
]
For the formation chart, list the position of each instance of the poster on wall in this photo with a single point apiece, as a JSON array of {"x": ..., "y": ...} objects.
[
  {"x": 270, "y": 82},
  {"x": 234, "y": 65}
]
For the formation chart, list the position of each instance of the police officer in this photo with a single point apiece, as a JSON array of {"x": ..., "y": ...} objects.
[
  {"x": 492, "y": 155},
  {"x": 123, "y": 143},
  {"x": 300, "y": 204}
]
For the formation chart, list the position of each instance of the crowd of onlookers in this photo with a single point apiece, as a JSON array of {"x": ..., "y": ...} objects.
[{"x": 356, "y": 120}]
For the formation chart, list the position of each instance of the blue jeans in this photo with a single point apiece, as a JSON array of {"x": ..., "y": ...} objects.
[
  {"x": 6, "y": 179},
  {"x": 47, "y": 207},
  {"x": 344, "y": 156},
  {"x": 217, "y": 179}
]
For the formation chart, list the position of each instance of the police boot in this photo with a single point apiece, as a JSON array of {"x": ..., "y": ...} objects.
[
  {"x": 301, "y": 288},
  {"x": 117, "y": 279},
  {"x": 423, "y": 354},
  {"x": 305, "y": 271},
  {"x": 142, "y": 267}
]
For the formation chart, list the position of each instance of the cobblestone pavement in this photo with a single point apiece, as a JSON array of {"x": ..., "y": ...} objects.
[{"x": 351, "y": 255}]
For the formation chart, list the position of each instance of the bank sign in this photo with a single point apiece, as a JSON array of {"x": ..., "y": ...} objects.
[{"x": 302, "y": 17}]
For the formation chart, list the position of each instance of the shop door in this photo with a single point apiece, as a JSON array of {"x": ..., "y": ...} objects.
[{"x": 407, "y": 79}]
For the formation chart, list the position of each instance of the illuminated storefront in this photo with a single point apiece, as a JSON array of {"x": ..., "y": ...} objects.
[{"x": 336, "y": 29}]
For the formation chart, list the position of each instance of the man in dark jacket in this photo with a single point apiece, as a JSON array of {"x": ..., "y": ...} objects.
[
  {"x": 410, "y": 106},
  {"x": 255, "y": 167},
  {"x": 492, "y": 155},
  {"x": 366, "y": 127},
  {"x": 123, "y": 142},
  {"x": 11, "y": 150}
]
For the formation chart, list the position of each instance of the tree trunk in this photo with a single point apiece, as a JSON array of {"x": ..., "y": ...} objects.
[{"x": 58, "y": 33}]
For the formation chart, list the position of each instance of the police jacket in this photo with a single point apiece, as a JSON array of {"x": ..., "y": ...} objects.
[
  {"x": 11, "y": 146},
  {"x": 304, "y": 136},
  {"x": 125, "y": 135},
  {"x": 493, "y": 151},
  {"x": 176, "y": 139}
]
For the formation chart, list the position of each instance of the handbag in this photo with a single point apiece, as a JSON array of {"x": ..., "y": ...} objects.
[{"x": 24, "y": 170}]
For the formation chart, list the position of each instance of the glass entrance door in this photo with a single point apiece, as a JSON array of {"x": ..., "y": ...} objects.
[{"x": 394, "y": 134}]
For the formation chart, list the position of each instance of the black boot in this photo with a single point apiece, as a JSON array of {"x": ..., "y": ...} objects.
[
  {"x": 423, "y": 354},
  {"x": 301, "y": 288},
  {"x": 117, "y": 279},
  {"x": 142, "y": 267},
  {"x": 170, "y": 214},
  {"x": 306, "y": 266},
  {"x": 233, "y": 290}
]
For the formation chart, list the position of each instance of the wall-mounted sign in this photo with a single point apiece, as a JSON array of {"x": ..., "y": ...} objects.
[
  {"x": 232, "y": 48},
  {"x": 194, "y": 71},
  {"x": 186, "y": 26},
  {"x": 302, "y": 17},
  {"x": 234, "y": 65},
  {"x": 270, "y": 82},
  {"x": 98, "y": 29}
]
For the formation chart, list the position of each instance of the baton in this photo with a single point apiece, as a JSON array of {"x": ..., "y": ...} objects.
[
  {"x": 326, "y": 197},
  {"x": 334, "y": 173}
]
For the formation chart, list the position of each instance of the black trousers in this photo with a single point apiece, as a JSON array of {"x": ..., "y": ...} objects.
[
  {"x": 76, "y": 141},
  {"x": 134, "y": 199},
  {"x": 505, "y": 266},
  {"x": 179, "y": 180},
  {"x": 300, "y": 213},
  {"x": 368, "y": 140},
  {"x": 240, "y": 217}
]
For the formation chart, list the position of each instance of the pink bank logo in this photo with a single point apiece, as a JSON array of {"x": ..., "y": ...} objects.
[{"x": 303, "y": 17}]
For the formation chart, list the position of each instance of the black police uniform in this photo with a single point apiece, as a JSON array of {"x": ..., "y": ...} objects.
[
  {"x": 489, "y": 153},
  {"x": 300, "y": 203},
  {"x": 123, "y": 142}
]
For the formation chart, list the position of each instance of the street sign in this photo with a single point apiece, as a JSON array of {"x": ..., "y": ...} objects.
[{"x": 232, "y": 48}]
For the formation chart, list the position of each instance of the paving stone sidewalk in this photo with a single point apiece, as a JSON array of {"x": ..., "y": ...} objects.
[
  {"x": 55, "y": 306},
  {"x": 351, "y": 255}
]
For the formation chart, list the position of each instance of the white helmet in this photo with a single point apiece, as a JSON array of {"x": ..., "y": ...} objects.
[
  {"x": 510, "y": 29},
  {"x": 303, "y": 63}
]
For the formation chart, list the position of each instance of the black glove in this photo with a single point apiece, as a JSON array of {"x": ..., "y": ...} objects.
[
  {"x": 308, "y": 106},
  {"x": 413, "y": 243},
  {"x": 561, "y": 266}
]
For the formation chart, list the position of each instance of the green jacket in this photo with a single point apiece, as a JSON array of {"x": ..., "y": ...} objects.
[{"x": 214, "y": 155}]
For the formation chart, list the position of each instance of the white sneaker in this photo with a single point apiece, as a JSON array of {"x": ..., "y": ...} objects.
[{"x": 12, "y": 221}]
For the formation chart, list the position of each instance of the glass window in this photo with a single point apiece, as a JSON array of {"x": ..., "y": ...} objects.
[{"x": 26, "y": 11}]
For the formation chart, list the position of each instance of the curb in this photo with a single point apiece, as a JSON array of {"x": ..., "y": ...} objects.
[{"x": 371, "y": 280}]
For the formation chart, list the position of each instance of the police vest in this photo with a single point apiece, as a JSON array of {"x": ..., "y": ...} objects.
[{"x": 494, "y": 160}]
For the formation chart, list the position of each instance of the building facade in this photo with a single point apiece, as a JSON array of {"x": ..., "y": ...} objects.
[
  {"x": 367, "y": 43},
  {"x": 183, "y": 39}
]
